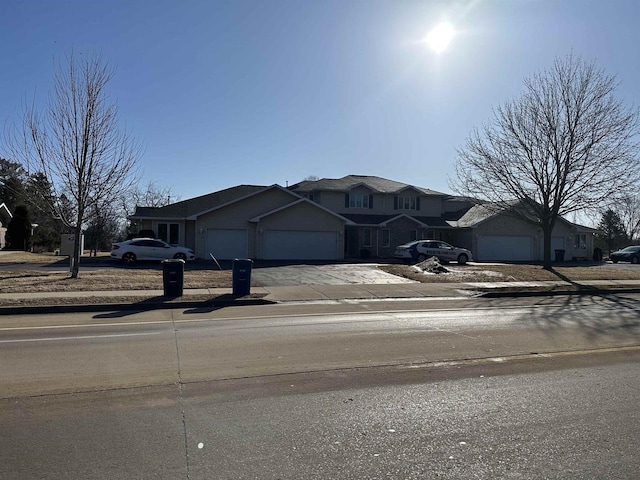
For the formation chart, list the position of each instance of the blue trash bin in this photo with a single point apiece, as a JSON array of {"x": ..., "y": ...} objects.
[{"x": 241, "y": 276}]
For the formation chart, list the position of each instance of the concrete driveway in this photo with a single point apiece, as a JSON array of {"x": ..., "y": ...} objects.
[{"x": 339, "y": 274}]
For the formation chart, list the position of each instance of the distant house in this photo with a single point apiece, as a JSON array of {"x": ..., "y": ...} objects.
[
  {"x": 5, "y": 217},
  {"x": 350, "y": 217}
]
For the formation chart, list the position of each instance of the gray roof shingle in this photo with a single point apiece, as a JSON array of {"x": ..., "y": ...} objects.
[
  {"x": 192, "y": 206},
  {"x": 345, "y": 184}
]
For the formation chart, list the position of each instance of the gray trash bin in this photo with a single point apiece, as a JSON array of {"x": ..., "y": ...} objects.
[
  {"x": 173, "y": 277},
  {"x": 559, "y": 255},
  {"x": 241, "y": 276}
]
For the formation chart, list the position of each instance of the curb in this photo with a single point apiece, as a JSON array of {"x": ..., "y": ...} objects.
[
  {"x": 550, "y": 293},
  {"x": 229, "y": 301}
]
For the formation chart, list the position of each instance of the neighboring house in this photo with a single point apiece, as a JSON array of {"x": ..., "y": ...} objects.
[
  {"x": 249, "y": 221},
  {"x": 353, "y": 216},
  {"x": 497, "y": 235},
  {"x": 5, "y": 217}
]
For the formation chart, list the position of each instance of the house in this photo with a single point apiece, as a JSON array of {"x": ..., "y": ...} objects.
[
  {"x": 384, "y": 213},
  {"x": 500, "y": 235},
  {"x": 5, "y": 217},
  {"x": 354, "y": 216},
  {"x": 249, "y": 221}
]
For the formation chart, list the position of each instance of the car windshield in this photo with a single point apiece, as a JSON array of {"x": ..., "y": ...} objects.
[{"x": 631, "y": 249}]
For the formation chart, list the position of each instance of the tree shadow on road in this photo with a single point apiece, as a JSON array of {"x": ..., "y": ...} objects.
[{"x": 596, "y": 315}]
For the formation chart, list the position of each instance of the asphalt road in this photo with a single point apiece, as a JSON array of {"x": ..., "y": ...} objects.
[{"x": 543, "y": 389}]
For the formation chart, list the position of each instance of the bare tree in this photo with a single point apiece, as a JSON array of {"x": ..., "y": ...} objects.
[
  {"x": 151, "y": 195},
  {"x": 77, "y": 143},
  {"x": 629, "y": 212},
  {"x": 566, "y": 145}
]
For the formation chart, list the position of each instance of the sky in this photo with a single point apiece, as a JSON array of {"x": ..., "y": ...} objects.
[{"x": 222, "y": 93}]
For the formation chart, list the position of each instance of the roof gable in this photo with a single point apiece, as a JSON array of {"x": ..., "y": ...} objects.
[
  {"x": 297, "y": 202},
  {"x": 252, "y": 194},
  {"x": 5, "y": 213},
  {"x": 193, "y": 206}
]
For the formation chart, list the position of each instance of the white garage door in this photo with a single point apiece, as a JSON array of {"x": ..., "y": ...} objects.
[
  {"x": 286, "y": 245},
  {"x": 227, "y": 244},
  {"x": 504, "y": 247}
]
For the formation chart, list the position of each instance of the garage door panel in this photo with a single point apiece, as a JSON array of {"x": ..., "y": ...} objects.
[
  {"x": 504, "y": 248},
  {"x": 300, "y": 245},
  {"x": 227, "y": 244}
]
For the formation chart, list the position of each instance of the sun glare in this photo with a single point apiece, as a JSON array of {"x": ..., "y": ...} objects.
[{"x": 440, "y": 37}]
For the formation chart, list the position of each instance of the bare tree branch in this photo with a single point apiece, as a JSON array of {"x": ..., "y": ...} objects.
[
  {"x": 77, "y": 143},
  {"x": 565, "y": 145}
]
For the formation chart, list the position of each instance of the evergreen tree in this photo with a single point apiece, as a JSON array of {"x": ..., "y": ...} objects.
[
  {"x": 612, "y": 234},
  {"x": 12, "y": 182},
  {"x": 46, "y": 235},
  {"x": 18, "y": 234}
]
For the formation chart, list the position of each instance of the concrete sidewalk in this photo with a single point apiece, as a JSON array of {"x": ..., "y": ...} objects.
[{"x": 151, "y": 299}]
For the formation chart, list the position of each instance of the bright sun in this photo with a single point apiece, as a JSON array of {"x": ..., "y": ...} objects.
[{"x": 440, "y": 36}]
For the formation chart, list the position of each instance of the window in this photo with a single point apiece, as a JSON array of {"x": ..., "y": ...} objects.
[
  {"x": 308, "y": 196},
  {"x": 358, "y": 200},
  {"x": 366, "y": 237},
  {"x": 413, "y": 235},
  {"x": 580, "y": 241},
  {"x": 169, "y": 232},
  {"x": 406, "y": 203},
  {"x": 431, "y": 234},
  {"x": 386, "y": 237}
]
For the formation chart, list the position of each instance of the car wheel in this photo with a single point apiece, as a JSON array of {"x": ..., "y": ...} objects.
[
  {"x": 422, "y": 257},
  {"x": 614, "y": 261},
  {"x": 634, "y": 259},
  {"x": 180, "y": 256},
  {"x": 463, "y": 258},
  {"x": 129, "y": 258}
]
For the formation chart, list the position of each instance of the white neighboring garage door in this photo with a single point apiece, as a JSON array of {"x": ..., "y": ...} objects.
[
  {"x": 504, "y": 247},
  {"x": 227, "y": 244},
  {"x": 290, "y": 245}
]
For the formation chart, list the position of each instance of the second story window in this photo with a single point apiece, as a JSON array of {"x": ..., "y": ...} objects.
[
  {"x": 357, "y": 200},
  {"x": 406, "y": 203}
]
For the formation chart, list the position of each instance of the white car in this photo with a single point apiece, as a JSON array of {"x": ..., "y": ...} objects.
[
  {"x": 130, "y": 251},
  {"x": 420, "y": 250}
]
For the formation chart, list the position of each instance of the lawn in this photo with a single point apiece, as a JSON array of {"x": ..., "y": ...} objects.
[
  {"x": 121, "y": 278},
  {"x": 514, "y": 273},
  {"x": 203, "y": 275}
]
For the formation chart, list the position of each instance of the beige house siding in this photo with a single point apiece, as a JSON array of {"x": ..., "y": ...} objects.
[
  {"x": 236, "y": 216},
  {"x": 383, "y": 204},
  {"x": 190, "y": 234},
  {"x": 300, "y": 217},
  {"x": 334, "y": 201},
  {"x": 508, "y": 225}
]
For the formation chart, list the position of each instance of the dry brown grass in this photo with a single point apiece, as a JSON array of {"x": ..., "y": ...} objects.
[
  {"x": 513, "y": 273},
  {"x": 107, "y": 279},
  {"x": 117, "y": 279}
]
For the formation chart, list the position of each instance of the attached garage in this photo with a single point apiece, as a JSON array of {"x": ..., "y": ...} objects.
[
  {"x": 504, "y": 248},
  {"x": 300, "y": 245},
  {"x": 227, "y": 244}
]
